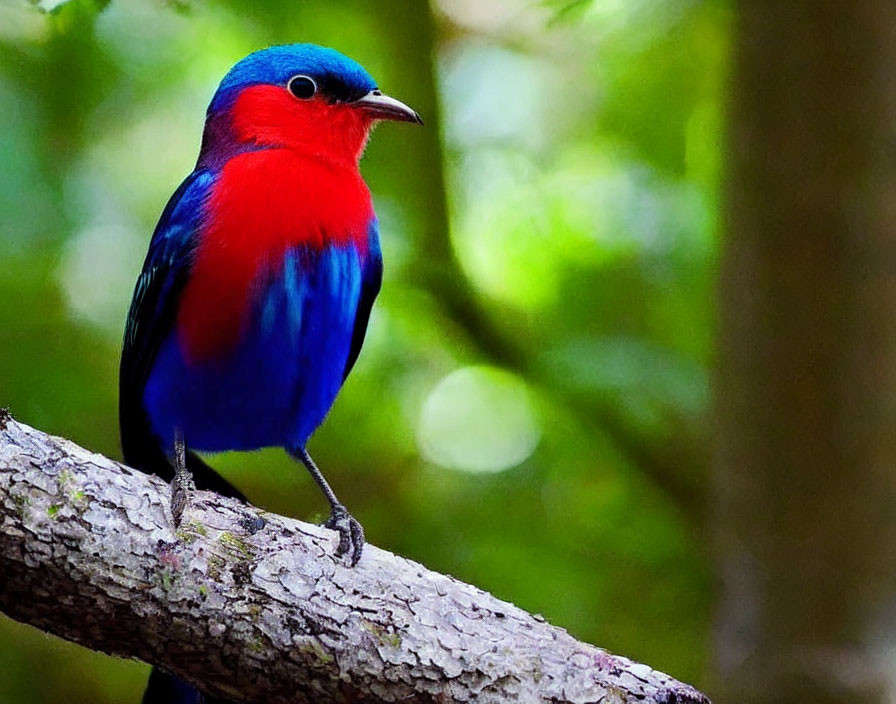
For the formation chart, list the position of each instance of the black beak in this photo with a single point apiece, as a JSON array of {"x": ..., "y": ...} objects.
[{"x": 382, "y": 107}]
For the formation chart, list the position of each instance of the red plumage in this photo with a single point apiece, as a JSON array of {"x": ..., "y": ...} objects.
[
  {"x": 263, "y": 203},
  {"x": 332, "y": 132}
]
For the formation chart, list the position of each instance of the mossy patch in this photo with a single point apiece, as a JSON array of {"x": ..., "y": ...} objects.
[
  {"x": 236, "y": 547},
  {"x": 185, "y": 536},
  {"x": 68, "y": 490},
  {"x": 191, "y": 532},
  {"x": 258, "y": 644},
  {"x": 315, "y": 650},
  {"x": 616, "y": 695},
  {"x": 166, "y": 579},
  {"x": 21, "y": 503},
  {"x": 63, "y": 480},
  {"x": 382, "y": 634},
  {"x": 215, "y": 567}
]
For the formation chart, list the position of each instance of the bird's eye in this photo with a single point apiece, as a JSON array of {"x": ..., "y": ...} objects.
[{"x": 302, "y": 87}]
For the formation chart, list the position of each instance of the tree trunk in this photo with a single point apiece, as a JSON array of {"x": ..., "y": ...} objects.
[{"x": 805, "y": 471}]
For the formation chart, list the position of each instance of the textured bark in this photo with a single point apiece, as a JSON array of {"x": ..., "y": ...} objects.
[
  {"x": 87, "y": 552},
  {"x": 805, "y": 478}
]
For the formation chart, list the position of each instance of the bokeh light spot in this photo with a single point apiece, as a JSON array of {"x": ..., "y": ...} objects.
[
  {"x": 97, "y": 274},
  {"x": 478, "y": 419}
]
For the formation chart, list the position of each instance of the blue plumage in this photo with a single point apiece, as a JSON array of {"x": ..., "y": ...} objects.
[
  {"x": 277, "y": 64},
  {"x": 277, "y": 385}
]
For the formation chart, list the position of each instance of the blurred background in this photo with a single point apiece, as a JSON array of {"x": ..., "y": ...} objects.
[{"x": 634, "y": 363}]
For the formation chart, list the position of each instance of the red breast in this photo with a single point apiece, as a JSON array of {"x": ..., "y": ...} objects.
[{"x": 263, "y": 203}]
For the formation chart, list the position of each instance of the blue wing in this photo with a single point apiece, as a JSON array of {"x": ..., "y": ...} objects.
[
  {"x": 371, "y": 280},
  {"x": 165, "y": 271},
  {"x": 150, "y": 320},
  {"x": 153, "y": 311}
]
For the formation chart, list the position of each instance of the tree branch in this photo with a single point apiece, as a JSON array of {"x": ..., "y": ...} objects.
[{"x": 87, "y": 552}]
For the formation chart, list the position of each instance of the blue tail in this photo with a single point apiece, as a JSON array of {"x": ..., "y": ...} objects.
[{"x": 165, "y": 688}]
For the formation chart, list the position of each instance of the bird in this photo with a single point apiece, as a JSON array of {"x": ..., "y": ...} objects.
[{"x": 255, "y": 294}]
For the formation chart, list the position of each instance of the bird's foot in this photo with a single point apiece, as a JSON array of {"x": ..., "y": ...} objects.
[
  {"x": 351, "y": 534},
  {"x": 181, "y": 488}
]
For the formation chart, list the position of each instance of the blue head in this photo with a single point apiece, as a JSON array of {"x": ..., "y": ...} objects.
[{"x": 338, "y": 77}]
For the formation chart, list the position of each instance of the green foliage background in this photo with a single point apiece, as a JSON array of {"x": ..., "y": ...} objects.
[{"x": 550, "y": 243}]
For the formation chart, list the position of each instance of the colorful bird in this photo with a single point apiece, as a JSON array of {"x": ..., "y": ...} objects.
[{"x": 254, "y": 298}]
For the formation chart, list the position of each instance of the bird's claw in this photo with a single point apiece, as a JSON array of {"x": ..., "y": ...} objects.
[{"x": 351, "y": 534}]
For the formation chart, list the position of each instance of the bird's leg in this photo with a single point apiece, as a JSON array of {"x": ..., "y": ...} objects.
[
  {"x": 182, "y": 483},
  {"x": 351, "y": 534}
]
